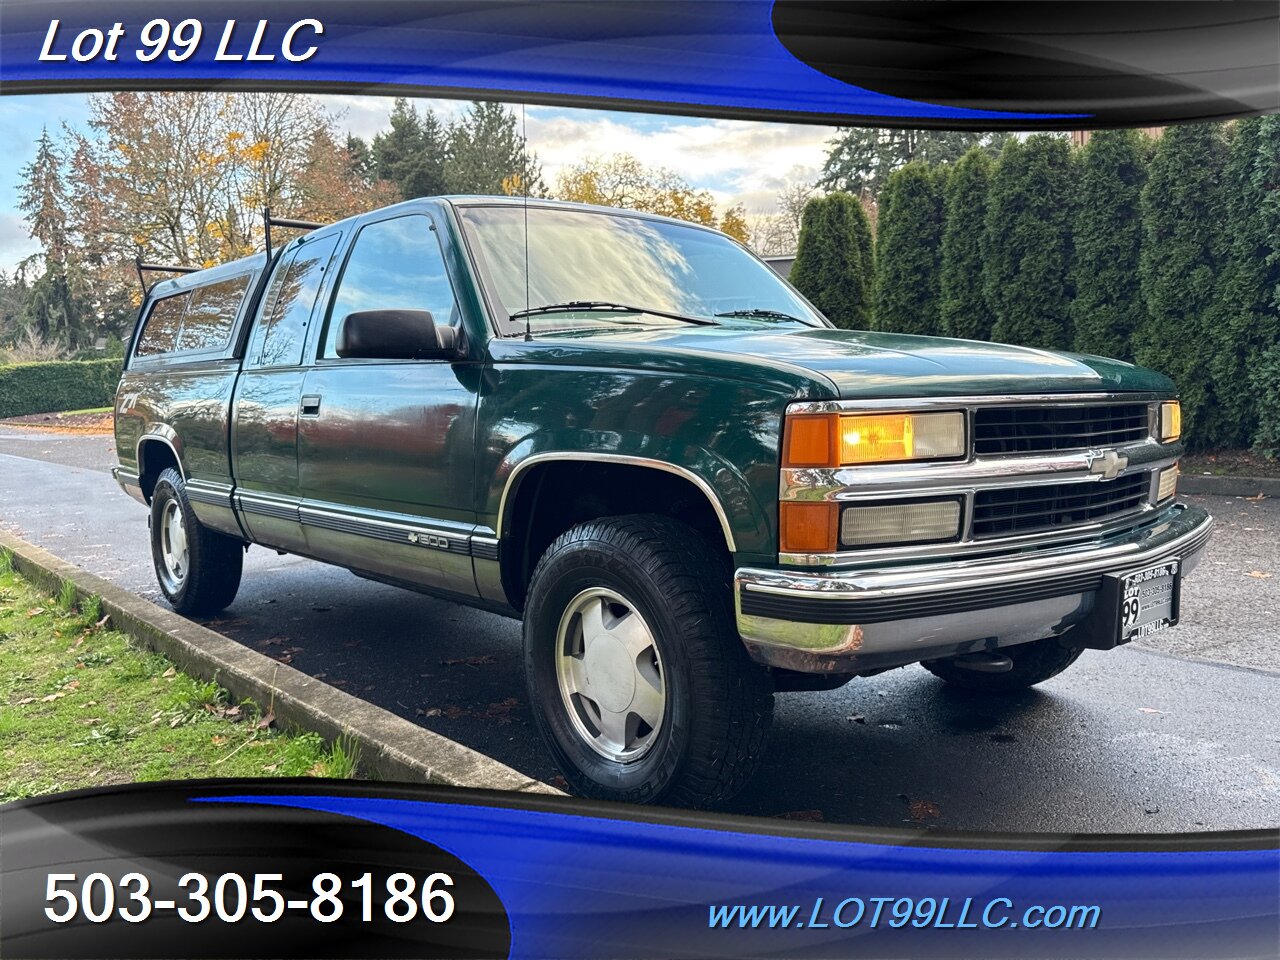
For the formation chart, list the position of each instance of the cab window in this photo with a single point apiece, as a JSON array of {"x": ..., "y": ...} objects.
[
  {"x": 286, "y": 310},
  {"x": 211, "y": 315},
  {"x": 160, "y": 335},
  {"x": 394, "y": 264}
]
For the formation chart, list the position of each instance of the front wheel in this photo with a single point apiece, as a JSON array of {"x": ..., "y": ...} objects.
[
  {"x": 1033, "y": 663},
  {"x": 198, "y": 569},
  {"x": 637, "y": 679}
]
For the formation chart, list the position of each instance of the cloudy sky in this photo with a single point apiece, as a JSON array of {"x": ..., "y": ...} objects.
[{"x": 736, "y": 160}]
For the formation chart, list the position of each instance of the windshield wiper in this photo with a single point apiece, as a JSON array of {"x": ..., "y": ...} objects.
[
  {"x": 606, "y": 306},
  {"x": 758, "y": 313}
]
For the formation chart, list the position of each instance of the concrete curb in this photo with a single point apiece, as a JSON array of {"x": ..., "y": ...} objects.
[
  {"x": 1229, "y": 486},
  {"x": 391, "y": 748}
]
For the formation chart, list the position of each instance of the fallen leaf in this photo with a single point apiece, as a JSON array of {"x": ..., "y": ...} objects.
[
  {"x": 52, "y": 697},
  {"x": 560, "y": 783},
  {"x": 72, "y": 685},
  {"x": 272, "y": 768},
  {"x": 25, "y": 700},
  {"x": 266, "y": 720},
  {"x": 1258, "y": 575},
  {"x": 170, "y": 673},
  {"x": 34, "y": 612},
  {"x": 429, "y": 712},
  {"x": 470, "y": 661},
  {"x": 1259, "y": 496},
  {"x": 218, "y": 741},
  {"x": 856, "y": 718},
  {"x": 924, "y": 810}
]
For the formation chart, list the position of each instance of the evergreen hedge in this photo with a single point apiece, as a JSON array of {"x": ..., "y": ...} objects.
[
  {"x": 835, "y": 260},
  {"x": 1027, "y": 243},
  {"x": 1107, "y": 240},
  {"x": 60, "y": 385},
  {"x": 962, "y": 307},
  {"x": 1183, "y": 219},
  {"x": 1245, "y": 319},
  {"x": 909, "y": 240}
]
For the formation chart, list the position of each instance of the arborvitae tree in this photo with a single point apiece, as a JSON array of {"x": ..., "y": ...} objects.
[
  {"x": 1107, "y": 240},
  {"x": 910, "y": 238},
  {"x": 1027, "y": 243},
  {"x": 835, "y": 262},
  {"x": 962, "y": 307},
  {"x": 1245, "y": 320},
  {"x": 1182, "y": 219}
]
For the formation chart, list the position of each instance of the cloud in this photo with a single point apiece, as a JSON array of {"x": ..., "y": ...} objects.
[
  {"x": 16, "y": 243},
  {"x": 736, "y": 160},
  {"x": 367, "y": 116}
]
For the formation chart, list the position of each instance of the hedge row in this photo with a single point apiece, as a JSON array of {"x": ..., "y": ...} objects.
[
  {"x": 1162, "y": 252},
  {"x": 59, "y": 385}
]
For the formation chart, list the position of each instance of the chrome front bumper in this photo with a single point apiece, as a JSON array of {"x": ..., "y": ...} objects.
[{"x": 852, "y": 620}]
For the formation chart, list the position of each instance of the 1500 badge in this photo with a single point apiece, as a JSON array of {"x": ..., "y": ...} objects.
[{"x": 429, "y": 540}]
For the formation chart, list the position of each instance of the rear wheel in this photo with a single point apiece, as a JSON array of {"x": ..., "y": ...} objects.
[
  {"x": 1033, "y": 663},
  {"x": 637, "y": 678},
  {"x": 198, "y": 569}
]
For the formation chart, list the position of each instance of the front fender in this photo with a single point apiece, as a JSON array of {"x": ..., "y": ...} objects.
[{"x": 723, "y": 436}]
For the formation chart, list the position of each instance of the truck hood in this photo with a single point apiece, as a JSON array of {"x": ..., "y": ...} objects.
[{"x": 851, "y": 364}]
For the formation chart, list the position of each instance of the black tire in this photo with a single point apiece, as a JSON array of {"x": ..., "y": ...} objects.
[
  {"x": 214, "y": 561},
  {"x": 718, "y": 704},
  {"x": 1033, "y": 663}
]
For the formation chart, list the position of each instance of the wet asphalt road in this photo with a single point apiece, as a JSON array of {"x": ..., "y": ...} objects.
[{"x": 1180, "y": 735}]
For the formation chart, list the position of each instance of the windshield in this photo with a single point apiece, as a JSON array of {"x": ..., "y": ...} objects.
[{"x": 579, "y": 256}]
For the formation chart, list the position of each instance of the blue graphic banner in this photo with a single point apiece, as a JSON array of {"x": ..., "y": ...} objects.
[
  {"x": 306, "y": 868},
  {"x": 980, "y": 65}
]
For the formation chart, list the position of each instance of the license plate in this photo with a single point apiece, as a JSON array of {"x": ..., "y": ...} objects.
[{"x": 1148, "y": 601}]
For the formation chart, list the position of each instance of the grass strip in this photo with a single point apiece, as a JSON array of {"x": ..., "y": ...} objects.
[{"x": 81, "y": 706}]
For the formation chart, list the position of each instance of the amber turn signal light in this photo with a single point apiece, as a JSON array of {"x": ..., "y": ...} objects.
[{"x": 808, "y": 527}]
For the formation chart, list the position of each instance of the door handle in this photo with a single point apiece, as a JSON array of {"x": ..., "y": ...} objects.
[{"x": 311, "y": 406}]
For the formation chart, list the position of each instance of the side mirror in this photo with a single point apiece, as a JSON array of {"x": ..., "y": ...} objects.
[{"x": 395, "y": 335}]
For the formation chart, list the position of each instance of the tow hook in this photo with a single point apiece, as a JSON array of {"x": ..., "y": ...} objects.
[{"x": 983, "y": 662}]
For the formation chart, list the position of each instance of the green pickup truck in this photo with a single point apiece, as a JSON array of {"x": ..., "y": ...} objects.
[{"x": 630, "y": 433}]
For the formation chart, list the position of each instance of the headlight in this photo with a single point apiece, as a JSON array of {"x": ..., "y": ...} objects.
[
  {"x": 1170, "y": 421},
  {"x": 844, "y": 440},
  {"x": 890, "y": 524}
]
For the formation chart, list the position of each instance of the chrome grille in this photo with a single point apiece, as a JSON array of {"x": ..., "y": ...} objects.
[
  {"x": 1011, "y": 511},
  {"x": 1050, "y": 427}
]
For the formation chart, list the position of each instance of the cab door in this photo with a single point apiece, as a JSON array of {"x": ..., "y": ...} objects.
[
  {"x": 385, "y": 447},
  {"x": 264, "y": 432}
]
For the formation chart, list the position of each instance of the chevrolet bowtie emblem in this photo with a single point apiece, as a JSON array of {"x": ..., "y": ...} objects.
[{"x": 1108, "y": 465}]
